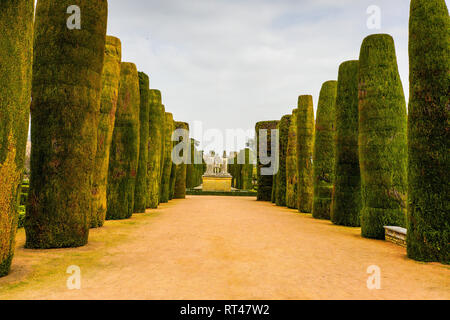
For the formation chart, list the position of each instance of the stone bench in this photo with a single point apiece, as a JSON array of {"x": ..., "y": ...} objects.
[{"x": 396, "y": 235}]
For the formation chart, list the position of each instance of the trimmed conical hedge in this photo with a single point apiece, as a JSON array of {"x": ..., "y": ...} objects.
[
  {"x": 247, "y": 169},
  {"x": 16, "y": 41},
  {"x": 382, "y": 137},
  {"x": 281, "y": 177},
  {"x": 167, "y": 168},
  {"x": 163, "y": 148},
  {"x": 180, "y": 177},
  {"x": 108, "y": 106},
  {"x": 429, "y": 135},
  {"x": 124, "y": 157},
  {"x": 324, "y": 151},
  {"x": 67, "y": 84},
  {"x": 305, "y": 143},
  {"x": 141, "y": 188},
  {"x": 265, "y": 182},
  {"x": 291, "y": 164},
  {"x": 156, "y": 130},
  {"x": 346, "y": 202}
]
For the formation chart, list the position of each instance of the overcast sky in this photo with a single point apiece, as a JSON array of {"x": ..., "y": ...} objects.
[{"x": 231, "y": 63}]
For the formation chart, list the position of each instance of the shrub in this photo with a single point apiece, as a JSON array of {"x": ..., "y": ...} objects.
[
  {"x": 324, "y": 151},
  {"x": 265, "y": 182},
  {"x": 247, "y": 169},
  {"x": 141, "y": 189},
  {"x": 283, "y": 127},
  {"x": 180, "y": 178},
  {"x": 108, "y": 106},
  {"x": 305, "y": 142},
  {"x": 167, "y": 168},
  {"x": 382, "y": 137},
  {"x": 155, "y": 148},
  {"x": 124, "y": 157},
  {"x": 16, "y": 24},
  {"x": 428, "y": 201},
  {"x": 346, "y": 202},
  {"x": 66, "y": 90},
  {"x": 291, "y": 164}
]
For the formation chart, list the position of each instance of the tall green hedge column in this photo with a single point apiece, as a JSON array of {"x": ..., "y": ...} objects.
[
  {"x": 167, "y": 168},
  {"x": 180, "y": 178},
  {"x": 16, "y": 41},
  {"x": 108, "y": 106},
  {"x": 382, "y": 137},
  {"x": 163, "y": 147},
  {"x": 265, "y": 182},
  {"x": 346, "y": 201},
  {"x": 291, "y": 164},
  {"x": 428, "y": 129},
  {"x": 156, "y": 127},
  {"x": 305, "y": 142},
  {"x": 124, "y": 157},
  {"x": 141, "y": 190},
  {"x": 283, "y": 127},
  {"x": 67, "y": 84},
  {"x": 324, "y": 151},
  {"x": 247, "y": 169},
  {"x": 190, "y": 167}
]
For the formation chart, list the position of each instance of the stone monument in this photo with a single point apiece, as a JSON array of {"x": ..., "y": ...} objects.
[{"x": 216, "y": 177}]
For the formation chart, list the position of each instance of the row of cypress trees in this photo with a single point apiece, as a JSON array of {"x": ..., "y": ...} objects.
[
  {"x": 366, "y": 162},
  {"x": 101, "y": 139},
  {"x": 240, "y": 166}
]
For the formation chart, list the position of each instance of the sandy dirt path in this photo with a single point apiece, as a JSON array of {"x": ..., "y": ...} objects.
[{"x": 224, "y": 248}]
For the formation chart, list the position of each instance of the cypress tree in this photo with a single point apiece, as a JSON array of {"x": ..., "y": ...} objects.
[
  {"x": 382, "y": 137},
  {"x": 305, "y": 143},
  {"x": 66, "y": 90},
  {"x": 141, "y": 187},
  {"x": 156, "y": 130},
  {"x": 16, "y": 43},
  {"x": 281, "y": 177},
  {"x": 346, "y": 202},
  {"x": 167, "y": 168},
  {"x": 324, "y": 151},
  {"x": 291, "y": 164},
  {"x": 247, "y": 170},
  {"x": 108, "y": 106},
  {"x": 190, "y": 167},
  {"x": 265, "y": 181},
  {"x": 180, "y": 176},
  {"x": 124, "y": 157},
  {"x": 163, "y": 147},
  {"x": 428, "y": 132}
]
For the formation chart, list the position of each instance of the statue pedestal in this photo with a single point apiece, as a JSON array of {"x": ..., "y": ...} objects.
[{"x": 217, "y": 183}]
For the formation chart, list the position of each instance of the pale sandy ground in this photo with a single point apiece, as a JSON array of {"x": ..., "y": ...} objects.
[{"x": 224, "y": 248}]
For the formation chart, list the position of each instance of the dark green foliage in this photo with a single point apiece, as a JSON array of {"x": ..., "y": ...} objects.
[
  {"x": 305, "y": 143},
  {"x": 429, "y": 134},
  {"x": 324, "y": 151},
  {"x": 124, "y": 157},
  {"x": 163, "y": 147},
  {"x": 346, "y": 202},
  {"x": 265, "y": 182},
  {"x": 281, "y": 177},
  {"x": 291, "y": 164},
  {"x": 382, "y": 137},
  {"x": 167, "y": 168},
  {"x": 191, "y": 181},
  {"x": 141, "y": 188},
  {"x": 16, "y": 39},
  {"x": 108, "y": 106},
  {"x": 155, "y": 148},
  {"x": 273, "y": 197},
  {"x": 66, "y": 92},
  {"x": 180, "y": 178},
  {"x": 247, "y": 169}
]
